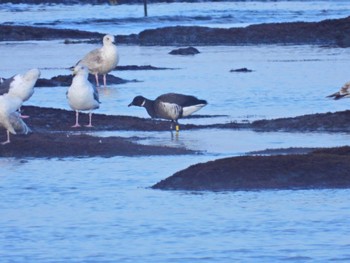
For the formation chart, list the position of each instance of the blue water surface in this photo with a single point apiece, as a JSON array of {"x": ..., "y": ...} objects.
[{"x": 103, "y": 209}]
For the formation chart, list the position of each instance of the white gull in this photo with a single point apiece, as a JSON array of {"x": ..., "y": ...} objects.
[
  {"x": 102, "y": 60},
  {"x": 20, "y": 85},
  {"x": 81, "y": 95}
]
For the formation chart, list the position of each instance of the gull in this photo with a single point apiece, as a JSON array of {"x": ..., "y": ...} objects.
[
  {"x": 344, "y": 92},
  {"x": 10, "y": 118},
  {"x": 170, "y": 106},
  {"x": 81, "y": 95},
  {"x": 102, "y": 60},
  {"x": 20, "y": 85}
]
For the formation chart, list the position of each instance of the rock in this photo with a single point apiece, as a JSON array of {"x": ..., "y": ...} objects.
[
  {"x": 184, "y": 51},
  {"x": 135, "y": 67},
  {"x": 241, "y": 70},
  {"x": 66, "y": 81},
  {"x": 51, "y": 145},
  {"x": 24, "y": 33},
  {"x": 326, "y": 32},
  {"x": 325, "y": 168}
]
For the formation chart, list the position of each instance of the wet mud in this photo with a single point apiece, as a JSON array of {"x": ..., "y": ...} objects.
[
  {"x": 333, "y": 32},
  {"x": 319, "y": 169},
  {"x": 52, "y": 134}
]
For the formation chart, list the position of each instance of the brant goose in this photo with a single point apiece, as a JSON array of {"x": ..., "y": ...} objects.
[
  {"x": 82, "y": 95},
  {"x": 10, "y": 118},
  {"x": 170, "y": 106},
  {"x": 101, "y": 60},
  {"x": 20, "y": 85}
]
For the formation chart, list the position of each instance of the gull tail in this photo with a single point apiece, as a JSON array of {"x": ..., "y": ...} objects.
[{"x": 18, "y": 125}]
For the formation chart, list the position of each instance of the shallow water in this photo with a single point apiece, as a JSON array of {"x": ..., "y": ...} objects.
[
  {"x": 102, "y": 209},
  {"x": 104, "y": 212},
  {"x": 286, "y": 80}
]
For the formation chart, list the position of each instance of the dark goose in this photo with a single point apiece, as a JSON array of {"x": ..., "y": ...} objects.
[{"x": 170, "y": 106}]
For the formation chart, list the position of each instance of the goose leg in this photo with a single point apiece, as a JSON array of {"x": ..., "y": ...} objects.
[{"x": 177, "y": 126}]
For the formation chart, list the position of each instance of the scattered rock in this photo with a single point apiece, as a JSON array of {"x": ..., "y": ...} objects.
[
  {"x": 135, "y": 67},
  {"x": 241, "y": 70},
  {"x": 184, "y": 51}
]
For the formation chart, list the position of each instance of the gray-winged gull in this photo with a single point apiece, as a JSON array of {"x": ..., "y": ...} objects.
[
  {"x": 81, "y": 95},
  {"x": 20, "y": 85},
  {"x": 102, "y": 60},
  {"x": 9, "y": 116},
  {"x": 170, "y": 106}
]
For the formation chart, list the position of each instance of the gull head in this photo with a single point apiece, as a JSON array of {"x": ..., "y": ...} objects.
[
  {"x": 108, "y": 40},
  {"x": 80, "y": 70},
  {"x": 32, "y": 74}
]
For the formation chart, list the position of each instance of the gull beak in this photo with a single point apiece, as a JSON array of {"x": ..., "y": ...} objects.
[{"x": 72, "y": 69}]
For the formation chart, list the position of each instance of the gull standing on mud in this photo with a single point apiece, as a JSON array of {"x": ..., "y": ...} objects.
[
  {"x": 170, "y": 106},
  {"x": 10, "y": 118},
  {"x": 344, "y": 92},
  {"x": 20, "y": 85},
  {"x": 81, "y": 95},
  {"x": 102, "y": 60}
]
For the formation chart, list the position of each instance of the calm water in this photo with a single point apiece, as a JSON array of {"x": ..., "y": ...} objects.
[{"x": 102, "y": 209}]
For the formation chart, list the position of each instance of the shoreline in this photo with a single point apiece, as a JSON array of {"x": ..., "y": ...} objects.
[
  {"x": 53, "y": 136},
  {"x": 330, "y": 32}
]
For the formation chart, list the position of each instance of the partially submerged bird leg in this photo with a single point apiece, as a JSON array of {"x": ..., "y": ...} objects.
[{"x": 177, "y": 126}]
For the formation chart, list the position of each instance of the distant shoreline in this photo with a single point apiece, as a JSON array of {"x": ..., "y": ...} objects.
[{"x": 330, "y": 32}]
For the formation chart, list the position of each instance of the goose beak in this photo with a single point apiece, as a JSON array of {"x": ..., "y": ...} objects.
[{"x": 130, "y": 104}]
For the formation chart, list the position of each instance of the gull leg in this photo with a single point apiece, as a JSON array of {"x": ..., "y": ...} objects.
[
  {"x": 76, "y": 125},
  {"x": 96, "y": 77},
  {"x": 104, "y": 80},
  {"x": 8, "y": 139},
  {"x": 22, "y": 116},
  {"x": 90, "y": 120}
]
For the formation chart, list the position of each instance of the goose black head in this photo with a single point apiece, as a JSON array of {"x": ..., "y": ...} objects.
[{"x": 138, "y": 101}]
